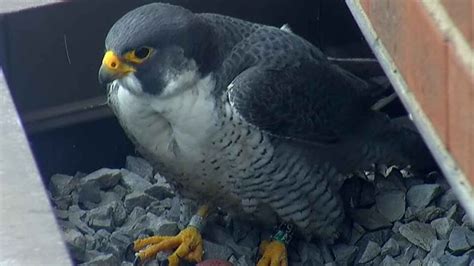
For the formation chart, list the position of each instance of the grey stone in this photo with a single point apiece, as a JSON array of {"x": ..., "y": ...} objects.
[
  {"x": 103, "y": 260},
  {"x": 159, "y": 207},
  {"x": 437, "y": 249},
  {"x": 396, "y": 227},
  {"x": 244, "y": 261},
  {"x": 167, "y": 228},
  {"x": 416, "y": 262},
  {"x": 140, "y": 167},
  {"x": 467, "y": 222},
  {"x": 216, "y": 251},
  {"x": 419, "y": 234},
  {"x": 119, "y": 213},
  {"x": 391, "y": 247},
  {"x": 105, "y": 177},
  {"x": 458, "y": 240},
  {"x": 134, "y": 182},
  {"x": 309, "y": 252},
  {"x": 109, "y": 196},
  {"x": 159, "y": 192},
  {"x": 402, "y": 241},
  {"x": 420, "y": 196},
  {"x": 102, "y": 239},
  {"x": 136, "y": 213},
  {"x": 379, "y": 237},
  {"x": 137, "y": 199},
  {"x": 406, "y": 255},
  {"x": 61, "y": 185},
  {"x": 428, "y": 214},
  {"x": 455, "y": 213},
  {"x": 371, "y": 251},
  {"x": 451, "y": 260},
  {"x": 101, "y": 218},
  {"x": 63, "y": 202},
  {"x": 357, "y": 232},
  {"x": 76, "y": 216},
  {"x": 389, "y": 261},
  {"x": 370, "y": 219},
  {"x": 447, "y": 200},
  {"x": 90, "y": 242},
  {"x": 344, "y": 254},
  {"x": 391, "y": 204},
  {"x": 419, "y": 254},
  {"x": 161, "y": 180},
  {"x": 120, "y": 191},
  {"x": 91, "y": 255},
  {"x": 470, "y": 254},
  {"x": 61, "y": 214},
  {"x": 76, "y": 243},
  {"x": 431, "y": 262},
  {"x": 443, "y": 227},
  {"x": 147, "y": 224},
  {"x": 120, "y": 239},
  {"x": 89, "y": 192}
]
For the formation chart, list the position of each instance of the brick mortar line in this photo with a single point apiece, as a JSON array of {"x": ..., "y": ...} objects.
[{"x": 452, "y": 33}]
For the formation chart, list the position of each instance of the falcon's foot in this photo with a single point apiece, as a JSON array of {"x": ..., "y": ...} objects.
[
  {"x": 187, "y": 245},
  {"x": 273, "y": 254}
]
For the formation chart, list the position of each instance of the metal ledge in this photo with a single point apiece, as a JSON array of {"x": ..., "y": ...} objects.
[{"x": 28, "y": 229}]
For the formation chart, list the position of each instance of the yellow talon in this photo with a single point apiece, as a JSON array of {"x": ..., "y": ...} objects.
[
  {"x": 273, "y": 254},
  {"x": 187, "y": 245}
]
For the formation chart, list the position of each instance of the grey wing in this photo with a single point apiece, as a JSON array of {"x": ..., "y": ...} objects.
[{"x": 310, "y": 100}]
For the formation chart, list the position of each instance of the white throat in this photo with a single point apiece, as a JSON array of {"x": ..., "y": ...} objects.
[{"x": 178, "y": 121}]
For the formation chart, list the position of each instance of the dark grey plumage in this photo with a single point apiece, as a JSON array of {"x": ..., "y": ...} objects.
[{"x": 249, "y": 117}]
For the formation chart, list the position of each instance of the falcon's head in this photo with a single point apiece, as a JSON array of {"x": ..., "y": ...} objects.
[{"x": 157, "y": 49}]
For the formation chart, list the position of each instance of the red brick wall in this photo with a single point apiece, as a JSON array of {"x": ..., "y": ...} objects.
[{"x": 437, "y": 74}]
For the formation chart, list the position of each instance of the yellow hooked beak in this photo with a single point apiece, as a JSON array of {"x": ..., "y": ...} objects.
[{"x": 113, "y": 67}]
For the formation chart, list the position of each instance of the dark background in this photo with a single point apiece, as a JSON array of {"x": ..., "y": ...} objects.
[{"x": 43, "y": 75}]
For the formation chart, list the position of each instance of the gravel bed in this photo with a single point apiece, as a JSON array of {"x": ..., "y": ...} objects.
[{"x": 396, "y": 218}]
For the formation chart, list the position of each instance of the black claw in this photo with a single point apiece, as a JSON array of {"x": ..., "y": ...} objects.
[
  {"x": 130, "y": 252},
  {"x": 137, "y": 261}
]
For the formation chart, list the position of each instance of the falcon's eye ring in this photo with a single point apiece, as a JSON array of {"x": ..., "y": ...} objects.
[
  {"x": 142, "y": 52},
  {"x": 139, "y": 55}
]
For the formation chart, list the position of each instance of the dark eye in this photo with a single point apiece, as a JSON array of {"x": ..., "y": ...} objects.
[{"x": 142, "y": 53}]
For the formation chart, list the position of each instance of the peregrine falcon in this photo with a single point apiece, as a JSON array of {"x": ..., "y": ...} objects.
[{"x": 244, "y": 117}]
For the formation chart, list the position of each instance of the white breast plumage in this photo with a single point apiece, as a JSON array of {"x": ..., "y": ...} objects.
[{"x": 172, "y": 126}]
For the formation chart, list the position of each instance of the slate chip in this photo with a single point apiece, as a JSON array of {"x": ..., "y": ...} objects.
[
  {"x": 391, "y": 247},
  {"x": 103, "y": 260},
  {"x": 133, "y": 182},
  {"x": 370, "y": 219},
  {"x": 370, "y": 251},
  {"x": 105, "y": 177},
  {"x": 137, "y": 199},
  {"x": 420, "y": 234},
  {"x": 140, "y": 167},
  {"x": 443, "y": 227},
  {"x": 344, "y": 254},
  {"x": 420, "y": 196},
  {"x": 458, "y": 239}
]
